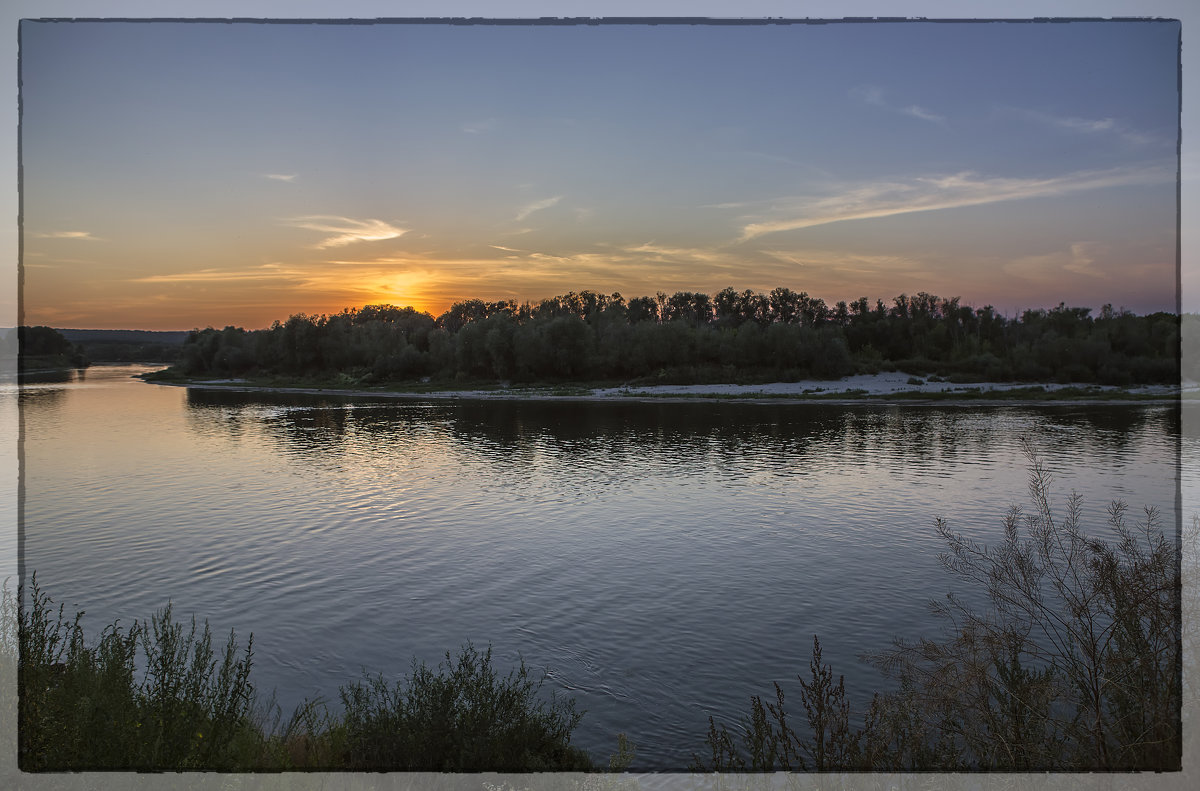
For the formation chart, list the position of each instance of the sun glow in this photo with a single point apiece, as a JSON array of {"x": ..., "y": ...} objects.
[{"x": 402, "y": 291}]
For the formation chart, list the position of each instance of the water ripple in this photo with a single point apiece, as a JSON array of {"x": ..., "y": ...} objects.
[{"x": 663, "y": 562}]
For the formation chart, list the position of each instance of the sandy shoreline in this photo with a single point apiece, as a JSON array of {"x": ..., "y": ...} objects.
[{"x": 876, "y": 387}]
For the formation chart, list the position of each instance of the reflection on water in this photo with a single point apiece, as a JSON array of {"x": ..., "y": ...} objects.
[
  {"x": 664, "y": 560},
  {"x": 686, "y": 434}
]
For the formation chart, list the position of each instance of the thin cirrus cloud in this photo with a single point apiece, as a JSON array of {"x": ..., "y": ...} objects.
[
  {"x": 1079, "y": 258},
  {"x": 1085, "y": 126},
  {"x": 331, "y": 289},
  {"x": 263, "y": 272},
  {"x": 1083, "y": 260},
  {"x": 664, "y": 253},
  {"x": 479, "y": 127},
  {"x": 281, "y": 176},
  {"x": 530, "y": 208},
  {"x": 873, "y": 95},
  {"x": 87, "y": 235},
  {"x": 346, "y": 230},
  {"x": 850, "y": 269},
  {"x": 276, "y": 274},
  {"x": 921, "y": 194},
  {"x": 923, "y": 114}
]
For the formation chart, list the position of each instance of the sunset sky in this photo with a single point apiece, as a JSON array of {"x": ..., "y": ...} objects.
[{"x": 180, "y": 175}]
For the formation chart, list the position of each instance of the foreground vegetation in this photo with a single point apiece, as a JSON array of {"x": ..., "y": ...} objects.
[
  {"x": 191, "y": 707},
  {"x": 691, "y": 337},
  {"x": 1075, "y": 664}
]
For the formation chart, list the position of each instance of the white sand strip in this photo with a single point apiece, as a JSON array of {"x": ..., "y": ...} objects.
[{"x": 881, "y": 384}]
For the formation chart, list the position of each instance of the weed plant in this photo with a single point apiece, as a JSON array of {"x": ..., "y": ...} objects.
[
  {"x": 464, "y": 718},
  {"x": 85, "y": 707},
  {"x": 88, "y": 706}
]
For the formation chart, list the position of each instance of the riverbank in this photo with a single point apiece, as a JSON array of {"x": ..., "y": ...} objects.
[{"x": 885, "y": 387}]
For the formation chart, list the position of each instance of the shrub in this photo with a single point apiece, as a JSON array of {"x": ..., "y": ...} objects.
[
  {"x": 81, "y": 707},
  {"x": 463, "y": 718},
  {"x": 1074, "y": 666},
  {"x": 89, "y": 707}
]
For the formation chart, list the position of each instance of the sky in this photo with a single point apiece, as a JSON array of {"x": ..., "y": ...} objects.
[{"x": 179, "y": 175}]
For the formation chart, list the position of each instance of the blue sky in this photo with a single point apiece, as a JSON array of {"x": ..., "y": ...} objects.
[{"x": 187, "y": 174}]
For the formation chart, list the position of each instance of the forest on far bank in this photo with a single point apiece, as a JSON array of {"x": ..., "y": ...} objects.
[{"x": 694, "y": 337}]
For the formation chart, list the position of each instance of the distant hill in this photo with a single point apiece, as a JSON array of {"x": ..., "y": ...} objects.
[
  {"x": 172, "y": 337},
  {"x": 140, "y": 346}
]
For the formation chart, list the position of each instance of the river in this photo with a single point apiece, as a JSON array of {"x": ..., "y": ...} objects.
[{"x": 662, "y": 561}]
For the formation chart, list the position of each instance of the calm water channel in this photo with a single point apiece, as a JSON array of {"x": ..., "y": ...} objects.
[{"x": 664, "y": 561}]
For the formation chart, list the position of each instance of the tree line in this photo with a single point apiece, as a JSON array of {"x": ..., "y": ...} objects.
[
  {"x": 43, "y": 347},
  {"x": 689, "y": 336}
]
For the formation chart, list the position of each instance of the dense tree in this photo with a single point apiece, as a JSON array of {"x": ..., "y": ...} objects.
[
  {"x": 690, "y": 336},
  {"x": 643, "y": 309},
  {"x": 42, "y": 346}
]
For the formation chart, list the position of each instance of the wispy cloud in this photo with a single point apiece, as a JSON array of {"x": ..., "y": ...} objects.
[
  {"x": 264, "y": 272},
  {"x": 394, "y": 281},
  {"x": 665, "y": 254},
  {"x": 1084, "y": 125},
  {"x": 1080, "y": 258},
  {"x": 55, "y": 262},
  {"x": 923, "y": 114},
  {"x": 346, "y": 230},
  {"x": 930, "y": 193},
  {"x": 478, "y": 127},
  {"x": 281, "y": 176},
  {"x": 530, "y": 208},
  {"x": 873, "y": 95},
  {"x": 67, "y": 235},
  {"x": 1087, "y": 126},
  {"x": 848, "y": 274},
  {"x": 1083, "y": 260}
]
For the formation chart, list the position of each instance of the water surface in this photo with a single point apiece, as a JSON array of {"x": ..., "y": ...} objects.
[{"x": 663, "y": 561}]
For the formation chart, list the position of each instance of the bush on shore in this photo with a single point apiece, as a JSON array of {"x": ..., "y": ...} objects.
[
  {"x": 84, "y": 707},
  {"x": 1074, "y": 666}
]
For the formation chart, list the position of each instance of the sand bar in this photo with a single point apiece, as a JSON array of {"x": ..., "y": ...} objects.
[{"x": 875, "y": 387}]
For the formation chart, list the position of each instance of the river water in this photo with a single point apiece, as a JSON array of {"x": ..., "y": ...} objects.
[{"x": 662, "y": 561}]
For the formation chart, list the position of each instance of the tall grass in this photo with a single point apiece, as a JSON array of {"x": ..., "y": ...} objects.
[
  {"x": 89, "y": 706},
  {"x": 86, "y": 706}
]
